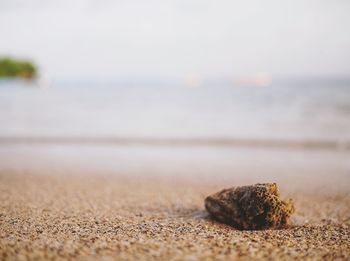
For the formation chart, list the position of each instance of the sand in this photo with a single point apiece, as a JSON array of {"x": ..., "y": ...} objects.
[{"x": 90, "y": 217}]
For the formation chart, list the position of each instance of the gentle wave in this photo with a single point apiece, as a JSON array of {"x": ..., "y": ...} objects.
[{"x": 183, "y": 142}]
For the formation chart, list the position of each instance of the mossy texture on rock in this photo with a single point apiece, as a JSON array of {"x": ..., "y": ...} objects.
[
  {"x": 250, "y": 207},
  {"x": 13, "y": 68}
]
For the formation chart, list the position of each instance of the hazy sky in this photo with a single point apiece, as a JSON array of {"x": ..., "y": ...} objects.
[{"x": 173, "y": 38}]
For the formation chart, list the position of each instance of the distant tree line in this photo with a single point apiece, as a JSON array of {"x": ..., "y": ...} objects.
[{"x": 15, "y": 68}]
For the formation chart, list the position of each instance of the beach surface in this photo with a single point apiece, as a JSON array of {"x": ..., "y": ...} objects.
[{"x": 123, "y": 217}]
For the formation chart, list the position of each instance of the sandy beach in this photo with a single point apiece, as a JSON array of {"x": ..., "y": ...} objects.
[
  {"x": 123, "y": 124},
  {"x": 111, "y": 217}
]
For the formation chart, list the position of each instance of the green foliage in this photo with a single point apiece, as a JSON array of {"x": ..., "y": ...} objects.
[{"x": 13, "y": 68}]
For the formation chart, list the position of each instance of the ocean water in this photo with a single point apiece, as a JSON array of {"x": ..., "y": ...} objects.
[{"x": 170, "y": 110}]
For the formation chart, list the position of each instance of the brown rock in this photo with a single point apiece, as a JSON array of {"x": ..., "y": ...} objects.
[{"x": 250, "y": 207}]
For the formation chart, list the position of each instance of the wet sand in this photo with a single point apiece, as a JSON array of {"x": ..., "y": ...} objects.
[{"x": 115, "y": 217}]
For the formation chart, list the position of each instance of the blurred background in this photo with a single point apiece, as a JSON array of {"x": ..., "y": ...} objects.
[{"x": 254, "y": 89}]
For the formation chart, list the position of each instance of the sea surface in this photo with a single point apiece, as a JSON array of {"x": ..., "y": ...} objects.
[
  {"x": 291, "y": 133},
  {"x": 288, "y": 111}
]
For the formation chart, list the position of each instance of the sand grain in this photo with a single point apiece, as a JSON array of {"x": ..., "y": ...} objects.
[{"x": 115, "y": 218}]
